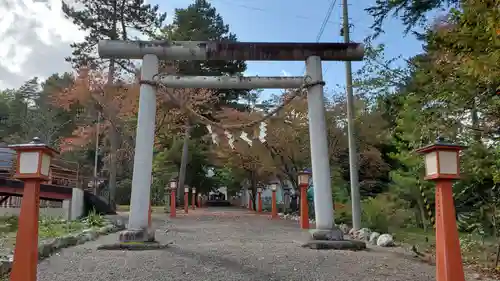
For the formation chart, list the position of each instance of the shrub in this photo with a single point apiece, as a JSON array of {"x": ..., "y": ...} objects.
[
  {"x": 343, "y": 215},
  {"x": 383, "y": 213},
  {"x": 94, "y": 219}
]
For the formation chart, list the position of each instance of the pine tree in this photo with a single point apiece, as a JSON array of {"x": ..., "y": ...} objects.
[
  {"x": 110, "y": 19},
  {"x": 115, "y": 20},
  {"x": 199, "y": 22}
]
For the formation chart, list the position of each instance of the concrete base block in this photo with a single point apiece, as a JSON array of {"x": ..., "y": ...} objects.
[
  {"x": 332, "y": 239},
  {"x": 327, "y": 234},
  {"x": 335, "y": 245},
  {"x": 137, "y": 235}
]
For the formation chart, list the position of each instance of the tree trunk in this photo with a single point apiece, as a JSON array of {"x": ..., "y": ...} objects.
[
  {"x": 253, "y": 187},
  {"x": 184, "y": 160},
  {"x": 421, "y": 209},
  {"x": 114, "y": 138},
  {"x": 114, "y": 135},
  {"x": 114, "y": 144}
]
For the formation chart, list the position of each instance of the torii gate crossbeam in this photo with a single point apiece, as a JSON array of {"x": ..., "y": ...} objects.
[{"x": 151, "y": 51}]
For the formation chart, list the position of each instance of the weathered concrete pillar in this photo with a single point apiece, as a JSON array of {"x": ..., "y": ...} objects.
[
  {"x": 323, "y": 204},
  {"x": 77, "y": 206},
  {"x": 66, "y": 206},
  {"x": 138, "y": 228}
]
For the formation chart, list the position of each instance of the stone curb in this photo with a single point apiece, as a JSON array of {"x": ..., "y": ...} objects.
[
  {"x": 134, "y": 246},
  {"x": 50, "y": 246},
  {"x": 352, "y": 245}
]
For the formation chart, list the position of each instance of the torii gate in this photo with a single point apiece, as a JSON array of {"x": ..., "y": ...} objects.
[{"x": 151, "y": 51}]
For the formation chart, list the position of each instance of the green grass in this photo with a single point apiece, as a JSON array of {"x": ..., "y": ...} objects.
[{"x": 47, "y": 228}]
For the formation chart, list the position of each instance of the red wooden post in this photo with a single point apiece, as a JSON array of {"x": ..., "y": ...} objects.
[
  {"x": 304, "y": 206},
  {"x": 199, "y": 200},
  {"x": 33, "y": 166},
  {"x": 149, "y": 215},
  {"x": 259, "y": 200},
  {"x": 173, "y": 188},
  {"x": 274, "y": 207},
  {"x": 186, "y": 199},
  {"x": 193, "y": 199},
  {"x": 250, "y": 206},
  {"x": 442, "y": 166}
]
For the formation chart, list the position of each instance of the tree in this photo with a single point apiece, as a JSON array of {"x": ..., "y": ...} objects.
[
  {"x": 92, "y": 95},
  {"x": 29, "y": 113},
  {"x": 253, "y": 162},
  {"x": 287, "y": 139},
  {"x": 200, "y": 22},
  {"x": 413, "y": 11},
  {"x": 115, "y": 20}
]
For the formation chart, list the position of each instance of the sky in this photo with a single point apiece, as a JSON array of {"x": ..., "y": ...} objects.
[{"x": 35, "y": 37}]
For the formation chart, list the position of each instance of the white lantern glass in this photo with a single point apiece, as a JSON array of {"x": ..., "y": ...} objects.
[
  {"x": 448, "y": 162},
  {"x": 259, "y": 190},
  {"x": 186, "y": 189},
  {"x": 303, "y": 178},
  {"x": 431, "y": 165},
  {"x": 45, "y": 169},
  {"x": 28, "y": 162},
  {"x": 274, "y": 187},
  {"x": 194, "y": 190},
  {"x": 173, "y": 185}
]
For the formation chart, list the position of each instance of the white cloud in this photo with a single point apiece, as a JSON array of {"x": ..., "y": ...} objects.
[
  {"x": 285, "y": 73},
  {"x": 35, "y": 39}
]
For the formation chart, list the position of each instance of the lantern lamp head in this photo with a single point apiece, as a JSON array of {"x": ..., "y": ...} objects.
[
  {"x": 193, "y": 190},
  {"x": 274, "y": 186},
  {"x": 304, "y": 177},
  {"x": 33, "y": 159},
  {"x": 173, "y": 184},
  {"x": 186, "y": 189},
  {"x": 442, "y": 160},
  {"x": 259, "y": 190}
]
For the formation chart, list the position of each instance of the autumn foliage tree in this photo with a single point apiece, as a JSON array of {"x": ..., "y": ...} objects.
[
  {"x": 287, "y": 140},
  {"x": 92, "y": 96}
]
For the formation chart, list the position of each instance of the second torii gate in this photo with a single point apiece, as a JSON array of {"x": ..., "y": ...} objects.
[{"x": 151, "y": 51}]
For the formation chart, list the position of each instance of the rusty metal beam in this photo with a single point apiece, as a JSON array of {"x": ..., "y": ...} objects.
[{"x": 226, "y": 50}]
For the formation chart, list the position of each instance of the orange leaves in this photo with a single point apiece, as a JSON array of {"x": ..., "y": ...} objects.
[
  {"x": 90, "y": 89},
  {"x": 93, "y": 95}
]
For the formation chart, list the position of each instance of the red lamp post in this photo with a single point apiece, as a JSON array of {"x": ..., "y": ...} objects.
[
  {"x": 442, "y": 166},
  {"x": 274, "y": 207},
  {"x": 304, "y": 207},
  {"x": 173, "y": 188},
  {"x": 259, "y": 200},
  {"x": 199, "y": 200},
  {"x": 250, "y": 206},
  {"x": 33, "y": 166},
  {"x": 186, "y": 199},
  {"x": 193, "y": 199}
]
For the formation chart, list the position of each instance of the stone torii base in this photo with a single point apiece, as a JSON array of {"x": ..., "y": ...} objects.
[{"x": 332, "y": 240}]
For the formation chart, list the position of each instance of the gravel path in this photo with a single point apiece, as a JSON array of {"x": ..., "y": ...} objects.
[{"x": 228, "y": 244}]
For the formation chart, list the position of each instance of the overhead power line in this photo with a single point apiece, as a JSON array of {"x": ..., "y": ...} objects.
[
  {"x": 273, "y": 12},
  {"x": 325, "y": 22}
]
